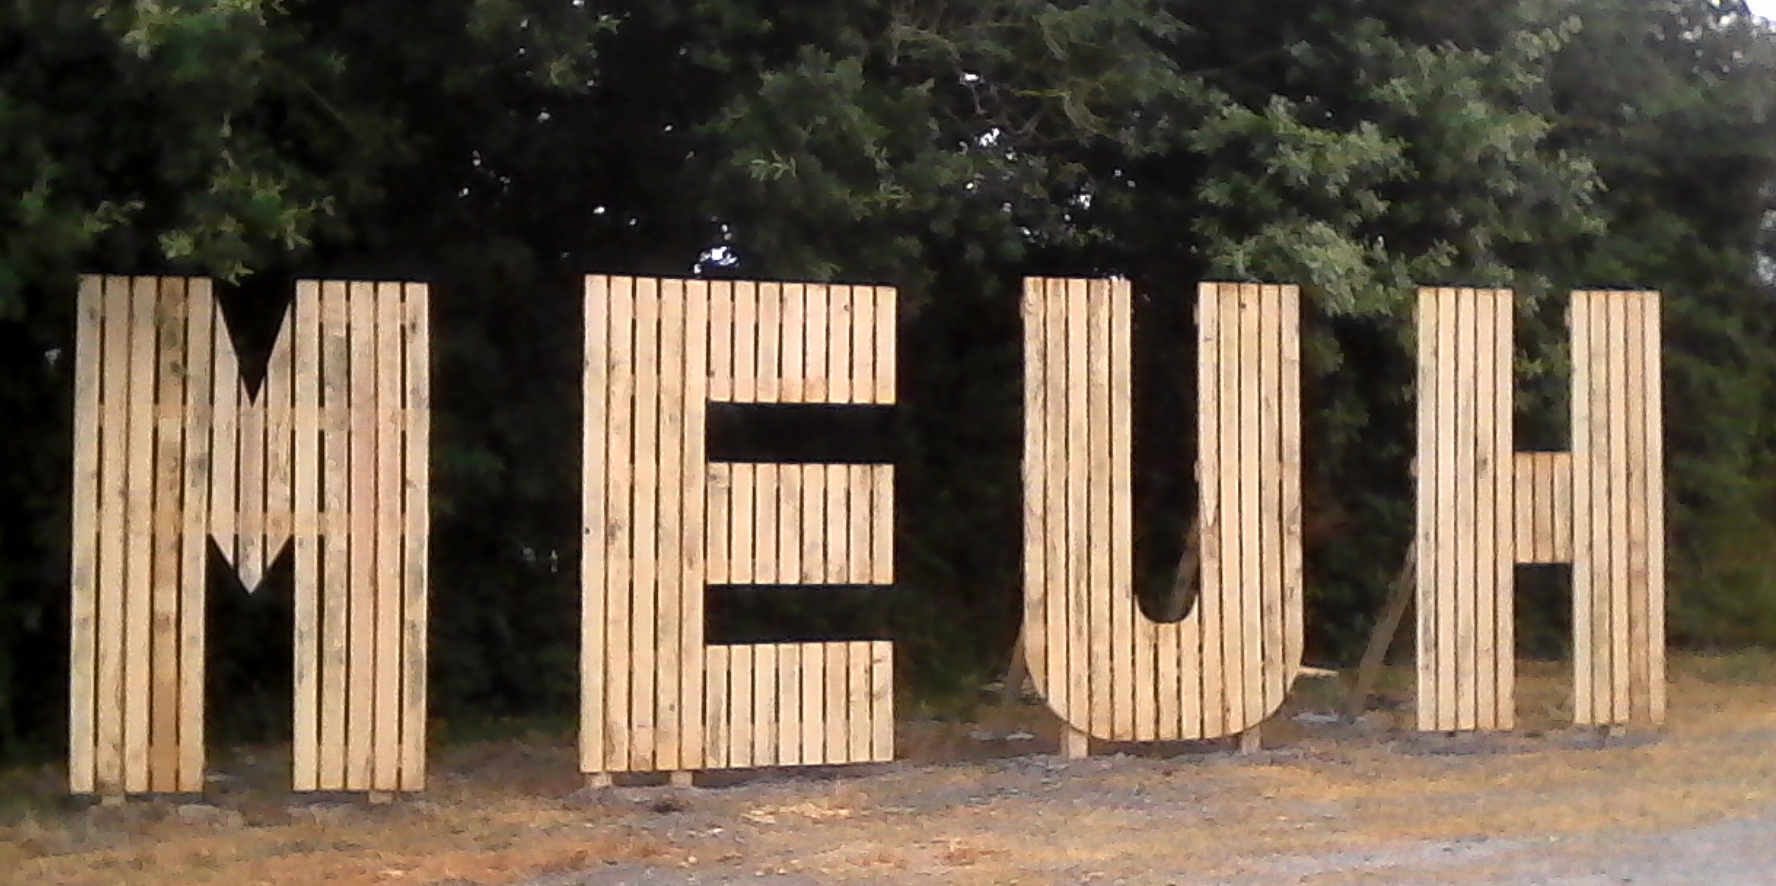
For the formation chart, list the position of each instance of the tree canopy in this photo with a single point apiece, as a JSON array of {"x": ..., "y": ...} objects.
[{"x": 500, "y": 149}]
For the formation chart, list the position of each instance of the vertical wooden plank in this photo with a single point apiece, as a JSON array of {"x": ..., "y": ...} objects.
[
  {"x": 360, "y": 736},
  {"x": 1427, "y": 541},
  {"x": 739, "y": 747},
  {"x": 881, "y": 524},
  {"x": 194, "y": 542},
  {"x": 790, "y": 520},
  {"x": 795, "y": 336},
  {"x": 89, "y": 369},
  {"x": 789, "y": 705},
  {"x": 1081, "y": 626},
  {"x": 276, "y": 397},
  {"x": 595, "y": 430},
  {"x": 1251, "y": 628},
  {"x": 1153, "y": 642},
  {"x": 767, "y": 564},
  {"x": 1602, "y": 523},
  {"x": 1216, "y": 470},
  {"x": 335, "y": 492},
  {"x": 860, "y": 712},
  {"x": 1051, "y": 295},
  {"x": 416, "y": 559},
  {"x": 840, "y": 369},
  {"x": 621, "y": 461},
  {"x": 138, "y": 642},
  {"x": 817, "y": 344},
  {"x": 1294, "y": 582},
  {"x": 305, "y": 343},
  {"x": 717, "y": 707},
  {"x": 863, "y": 344},
  {"x": 1504, "y": 647},
  {"x": 813, "y": 524},
  {"x": 886, "y": 341},
  {"x": 113, "y": 577},
  {"x": 671, "y": 577},
  {"x": 1101, "y": 603},
  {"x": 837, "y": 725},
  {"x": 225, "y": 443},
  {"x": 746, "y": 343},
  {"x": 721, "y": 341},
  {"x": 1652, "y": 345},
  {"x": 390, "y": 438},
  {"x": 1635, "y": 502},
  {"x": 836, "y": 525},
  {"x": 882, "y": 700},
  {"x": 1579, "y": 325},
  {"x": 767, "y": 749},
  {"x": 694, "y": 471},
  {"x": 167, "y": 512},
  {"x": 719, "y": 533},
  {"x": 1271, "y": 513},
  {"x": 814, "y": 713},
  {"x": 1466, "y": 480},
  {"x": 770, "y": 364},
  {"x": 1034, "y": 630},
  {"x": 1616, "y": 431},
  {"x": 1452, "y": 528},
  {"x": 644, "y": 633},
  {"x": 742, "y": 566},
  {"x": 1486, "y": 497}
]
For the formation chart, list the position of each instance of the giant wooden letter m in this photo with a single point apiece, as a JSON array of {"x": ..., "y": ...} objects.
[{"x": 172, "y": 449}]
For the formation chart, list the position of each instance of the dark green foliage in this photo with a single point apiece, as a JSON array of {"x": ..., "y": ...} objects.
[{"x": 500, "y": 149}]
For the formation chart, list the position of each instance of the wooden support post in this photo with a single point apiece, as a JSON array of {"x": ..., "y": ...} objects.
[
  {"x": 1075, "y": 745},
  {"x": 1252, "y": 740}
]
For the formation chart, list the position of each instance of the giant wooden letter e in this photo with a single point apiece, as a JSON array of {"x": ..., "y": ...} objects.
[{"x": 662, "y": 523}]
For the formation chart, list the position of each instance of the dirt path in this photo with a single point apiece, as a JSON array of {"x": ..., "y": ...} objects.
[{"x": 1330, "y": 804}]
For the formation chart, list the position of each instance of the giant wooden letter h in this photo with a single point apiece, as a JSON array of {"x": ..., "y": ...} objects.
[
  {"x": 1483, "y": 508},
  {"x": 171, "y": 449}
]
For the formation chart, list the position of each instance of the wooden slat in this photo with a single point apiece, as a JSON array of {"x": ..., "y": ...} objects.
[
  {"x": 391, "y": 418},
  {"x": 746, "y": 342},
  {"x": 1489, "y": 462},
  {"x": 789, "y": 521},
  {"x": 416, "y": 516},
  {"x": 619, "y": 536},
  {"x": 741, "y": 750},
  {"x": 861, "y": 713},
  {"x": 716, "y": 708},
  {"x": 789, "y": 704},
  {"x": 108, "y": 685},
  {"x": 1635, "y": 503},
  {"x": 670, "y": 576},
  {"x": 837, "y": 525},
  {"x": 1270, "y": 515},
  {"x": 743, "y": 485},
  {"x": 305, "y": 343},
  {"x": 719, "y": 532},
  {"x": 839, "y": 344},
  {"x": 1584, "y": 673},
  {"x": 721, "y": 342},
  {"x": 1153, "y": 700},
  {"x": 882, "y": 701},
  {"x": 360, "y": 736},
  {"x": 335, "y": 579},
  {"x": 644, "y": 640},
  {"x": 84, "y": 537},
  {"x": 863, "y": 344},
  {"x": 817, "y": 340},
  {"x": 766, "y": 522},
  {"x": 794, "y": 374},
  {"x": 813, "y": 525},
  {"x": 881, "y": 558},
  {"x": 194, "y": 544},
  {"x": 766, "y": 741},
  {"x": 1294, "y": 581},
  {"x": 813, "y": 714},
  {"x": 1426, "y": 538},
  {"x": 167, "y": 517},
  {"x": 1251, "y": 628},
  {"x": 1504, "y": 645},
  {"x": 276, "y": 398},
  {"x": 1080, "y": 628},
  {"x": 885, "y": 340},
  {"x": 594, "y": 553},
  {"x": 1453, "y": 541},
  {"x": 1219, "y": 346},
  {"x": 836, "y": 723},
  {"x": 1655, "y": 478},
  {"x": 1034, "y": 631},
  {"x": 1112, "y": 651},
  {"x": 695, "y": 474},
  {"x": 1617, "y": 430},
  {"x": 1463, "y": 592},
  {"x": 139, "y": 511},
  {"x": 1054, "y": 498},
  {"x": 770, "y": 365}
]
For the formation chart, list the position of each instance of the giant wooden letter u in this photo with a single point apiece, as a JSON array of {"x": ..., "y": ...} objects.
[
  {"x": 171, "y": 449},
  {"x": 1108, "y": 671}
]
